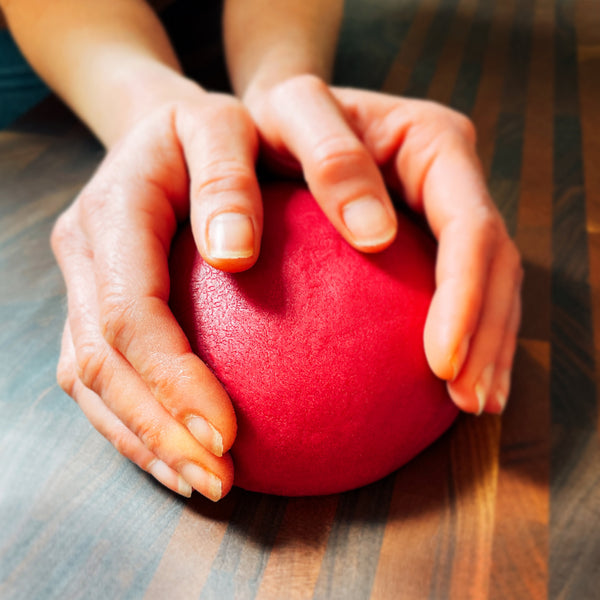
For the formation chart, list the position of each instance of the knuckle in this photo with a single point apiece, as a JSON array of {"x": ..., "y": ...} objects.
[
  {"x": 337, "y": 154},
  {"x": 60, "y": 233},
  {"x": 152, "y": 434},
  {"x": 464, "y": 127},
  {"x": 65, "y": 375},
  {"x": 220, "y": 108},
  {"x": 91, "y": 366},
  {"x": 121, "y": 439},
  {"x": 116, "y": 316},
  {"x": 91, "y": 203},
  {"x": 513, "y": 258},
  {"x": 63, "y": 235},
  {"x": 225, "y": 177},
  {"x": 305, "y": 84},
  {"x": 487, "y": 224},
  {"x": 164, "y": 378},
  {"x": 448, "y": 124}
]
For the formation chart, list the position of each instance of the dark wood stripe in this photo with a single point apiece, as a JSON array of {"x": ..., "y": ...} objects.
[
  {"x": 420, "y": 511},
  {"x": 370, "y": 38},
  {"x": 588, "y": 59},
  {"x": 575, "y": 451},
  {"x": 189, "y": 555},
  {"x": 243, "y": 553},
  {"x": 575, "y": 498},
  {"x": 506, "y": 164},
  {"x": 295, "y": 561},
  {"x": 521, "y": 540},
  {"x": 408, "y": 55},
  {"x": 449, "y": 63},
  {"x": 350, "y": 560},
  {"x": 489, "y": 93},
  {"x": 572, "y": 340},
  {"x": 470, "y": 72},
  {"x": 520, "y": 550},
  {"x": 424, "y": 69}
]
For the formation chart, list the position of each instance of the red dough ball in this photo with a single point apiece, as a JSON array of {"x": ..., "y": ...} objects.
[{"x": 320, "y": 348}]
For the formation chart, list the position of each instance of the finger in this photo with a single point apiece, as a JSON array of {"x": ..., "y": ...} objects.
[
  {"x": 462, "y": 216},
  {"x": 110, "y": 376},
  {"x": 220, "y": 145},
  {"x": 132, "y": 280},
  {"x": 502, "y": 374},
  {"x": 106, "y": 423},
  {"x": 428, "y": 152},
  {"x": 466, "y": 251},
  {"x": 306, "y": 121},
  {"x": 471, "y": 389}
]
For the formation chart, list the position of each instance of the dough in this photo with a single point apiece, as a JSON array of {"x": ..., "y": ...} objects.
[{"x": 320, "y": 348}]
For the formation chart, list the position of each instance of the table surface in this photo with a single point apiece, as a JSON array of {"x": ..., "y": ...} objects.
[{"x": 498, "y": 508}]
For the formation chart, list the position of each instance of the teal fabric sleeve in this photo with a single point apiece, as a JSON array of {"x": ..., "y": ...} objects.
[{"x": 20, "y": 87}]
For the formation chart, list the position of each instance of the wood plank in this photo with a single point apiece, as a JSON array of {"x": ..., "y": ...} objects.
[
  {"x": 295, "y": 561},
  {"x": 575, "y": 453},
  {"x": 520, "y": 548},
  {"x": 401, "y": 70},
  {"x": 486, "y": 108},
  {"x": 187, "y": 560},
  {"x": 413, "y": 560},
  {"x": 474, "y": 456},
  {"x": 450, "y": 60},
  {"x": 350, "y": 560},
  {"x": 587, "y": 23}
]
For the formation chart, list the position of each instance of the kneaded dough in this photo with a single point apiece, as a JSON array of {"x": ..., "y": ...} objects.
[{"x": 320, "y": 348}]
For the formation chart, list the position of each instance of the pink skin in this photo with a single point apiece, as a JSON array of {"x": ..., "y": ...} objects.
[
  {"x": 125, "y": 359},
  {"x": 348, "y": 143}
]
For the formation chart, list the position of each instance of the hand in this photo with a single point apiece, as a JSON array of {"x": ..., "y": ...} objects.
[
  {"x": 124, "y": 358},
  {"x": 349, "y": 145}
]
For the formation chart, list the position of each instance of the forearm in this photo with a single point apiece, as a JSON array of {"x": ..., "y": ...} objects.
[
  {"x": 267, "y": 41},
  {"x": 110, "y": 61}
]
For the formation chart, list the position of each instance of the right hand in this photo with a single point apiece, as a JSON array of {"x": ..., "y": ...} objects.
[{"x": 124, "y": 358}]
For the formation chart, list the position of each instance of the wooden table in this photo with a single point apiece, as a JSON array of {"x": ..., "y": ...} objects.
[{"x": 498, "y": 508}]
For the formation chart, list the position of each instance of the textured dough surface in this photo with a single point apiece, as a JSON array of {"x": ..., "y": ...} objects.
[{"x": 320, "y": 348}]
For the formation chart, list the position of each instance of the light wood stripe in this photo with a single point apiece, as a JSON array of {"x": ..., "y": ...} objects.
[{"x": 474, "y": 455}]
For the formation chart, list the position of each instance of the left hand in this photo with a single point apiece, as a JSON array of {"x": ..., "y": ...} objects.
[{"x": 350, "y": 144}]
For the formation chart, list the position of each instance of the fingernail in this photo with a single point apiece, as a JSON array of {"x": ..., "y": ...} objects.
[
  {"x": 163, "y": 473},
  {"x": 458, "y": 359},
  {"x": 230, "y": 235},
  {"x": 503, "y": 389},
  {"x": 368, "y": 221},
  {"x": 482, "y": 387},
  {"x": 206, "y": 434},
  {"x": 206, "y": 483}
]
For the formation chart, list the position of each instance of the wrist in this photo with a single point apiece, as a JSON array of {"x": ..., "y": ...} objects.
[
  {"x": 268, "y": 42},
  {"x": 143, "y": 88}
]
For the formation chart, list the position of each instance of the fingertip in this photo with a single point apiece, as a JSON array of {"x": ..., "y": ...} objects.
[
  {"x": 458, "y": 357},
  {"x": 446, "y": 348},
  {"x": 231, "y": 241},
  {"x": 228, "y": 241},
  {"x": 371, "y": 225},
  {"x": 441, "y": 362},
  {"x": 464, "y": 401}
]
